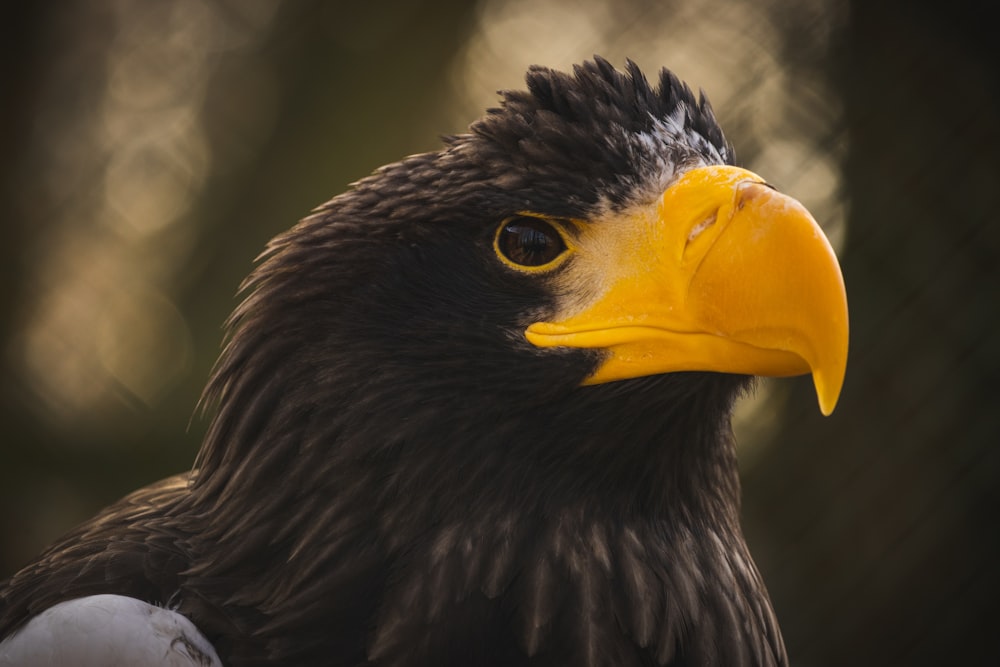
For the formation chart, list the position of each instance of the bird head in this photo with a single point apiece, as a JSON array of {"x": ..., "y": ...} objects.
[
  {"x": 587, "y": 240},
  {"x": 666, "y": 257}
]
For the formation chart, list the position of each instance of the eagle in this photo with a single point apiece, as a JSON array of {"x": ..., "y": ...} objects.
[{"x": 477, "y": 411}]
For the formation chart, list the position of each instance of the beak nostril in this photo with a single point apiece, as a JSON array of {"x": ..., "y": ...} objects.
[{"x": 702, "y": 226}]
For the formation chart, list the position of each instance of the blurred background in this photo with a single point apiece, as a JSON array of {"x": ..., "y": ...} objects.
[{"x": 151, "y": 149}]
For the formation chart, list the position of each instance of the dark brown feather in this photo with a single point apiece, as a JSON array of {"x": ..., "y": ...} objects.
[{"x": 394, "y": 476}]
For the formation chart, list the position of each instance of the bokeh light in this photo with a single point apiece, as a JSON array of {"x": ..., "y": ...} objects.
[{"x": 123, "y": 164}]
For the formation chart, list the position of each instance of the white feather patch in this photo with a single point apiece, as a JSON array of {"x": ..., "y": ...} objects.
[
  {"x": 108, "y": 630},
  {"x": 663, "y": 153}
]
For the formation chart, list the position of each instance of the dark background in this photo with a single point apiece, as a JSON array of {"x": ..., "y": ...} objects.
[{"x": 151, "y": 149}]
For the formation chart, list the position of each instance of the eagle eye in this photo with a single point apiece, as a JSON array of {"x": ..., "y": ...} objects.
[{"x": 529, "y": 242}]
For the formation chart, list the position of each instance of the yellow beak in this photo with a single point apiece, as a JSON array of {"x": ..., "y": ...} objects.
[{"x": 725, "y": 275}]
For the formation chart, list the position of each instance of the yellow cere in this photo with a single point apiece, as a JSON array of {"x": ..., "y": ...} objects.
[{"x": 722, "y": 274}]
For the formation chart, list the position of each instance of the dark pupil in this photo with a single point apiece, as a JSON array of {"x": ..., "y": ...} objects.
[{"x": 530, "y": 242}]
